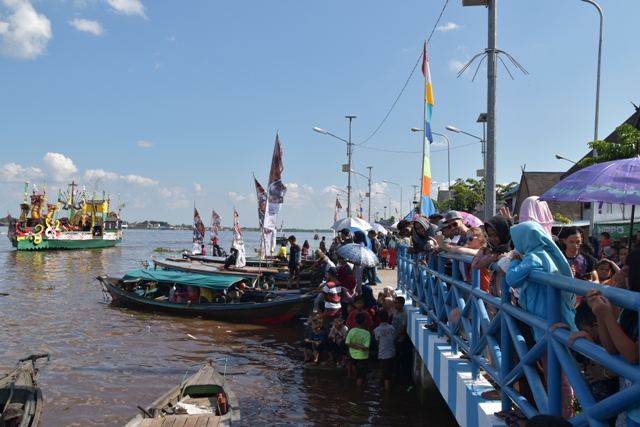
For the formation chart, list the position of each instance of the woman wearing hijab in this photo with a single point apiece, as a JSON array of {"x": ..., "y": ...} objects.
[
  {"x": 540, "y": 253},
  {"x": 535, "y": 210}
]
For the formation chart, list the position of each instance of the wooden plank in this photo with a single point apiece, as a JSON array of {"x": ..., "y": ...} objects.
[
  {"x": 180, "y": 421},
  {"x": 191, "y": 422},
  {"x": 202, "y": 422},
  {"x": 168, "y": 422},
  {"x": 214, "y": 421}
]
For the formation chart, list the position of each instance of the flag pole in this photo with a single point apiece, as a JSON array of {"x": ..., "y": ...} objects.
[{"x": 424, "y": 130}]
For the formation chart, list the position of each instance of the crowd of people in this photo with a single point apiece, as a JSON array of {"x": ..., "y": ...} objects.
[{"x": 501, "y": 249}]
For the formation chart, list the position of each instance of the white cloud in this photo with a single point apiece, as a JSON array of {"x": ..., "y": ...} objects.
[
  {"x": 92, "y": 174},
  {"x": 92, "y": 27},
  {"x": 58, "y": 167},
  {"x": 165, "y": 192},
  {"x": 128, "y": 7},
  {"x": 172, "y": 39},
  {"x": 296, "y": 196},
  {"x": 145, "y": 144},
  {"x": 138, "y": 180},
  {"x": 235, "y": 196},
  {"x": 12, "y": 172},
  {"x": 447, "y": 27},
  {"x": 200, "y": 190},
  {"x": 25, "y": 33},
  {"x": 455, "y": 65}
]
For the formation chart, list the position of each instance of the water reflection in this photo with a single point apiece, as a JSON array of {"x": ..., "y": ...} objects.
[{"x": 108, "y": 360}]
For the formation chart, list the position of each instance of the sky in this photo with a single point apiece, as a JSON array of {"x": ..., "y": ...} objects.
[{"x": 175, "y": 102}]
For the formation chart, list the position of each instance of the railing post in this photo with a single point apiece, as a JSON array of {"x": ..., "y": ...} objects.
[
  {"x": 554, "y": 385},
  {"x": 505, "y": 340},
  {"x": 475, "y": 323}
]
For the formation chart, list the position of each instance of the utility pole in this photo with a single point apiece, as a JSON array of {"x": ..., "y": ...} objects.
[
  {"x": 369, "y": 193},
  {"x": 349, "y": 153}
]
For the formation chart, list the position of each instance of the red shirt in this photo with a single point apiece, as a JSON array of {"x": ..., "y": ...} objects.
[{"x": 351, "y": 320}]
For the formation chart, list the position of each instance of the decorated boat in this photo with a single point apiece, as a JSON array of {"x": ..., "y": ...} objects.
[
  {"x": 20, "y": 395},
  {"x": 88, "y": 224},
  {"x": 221, "y": 297},
  {"x": 204, "y": 399}
]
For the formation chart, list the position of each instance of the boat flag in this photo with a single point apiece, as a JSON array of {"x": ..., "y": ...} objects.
[
  {"x": 267, "y": 239},
  {"x": 397, "y": 212},
  {"x": 426, "y": 206},
  {"x": 337, "y": 211},
  {"x": 238, "y": 241},
  {"x": 215, "y": 224},
  {"x": 261, "y": 194},
  {"x": 275, "y": 193},
  {"x": 198, "y": 229},
  {"x": 361, "y": 211}
]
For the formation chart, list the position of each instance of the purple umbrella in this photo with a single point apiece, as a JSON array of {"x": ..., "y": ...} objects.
[{"x": 616, "y": 182}]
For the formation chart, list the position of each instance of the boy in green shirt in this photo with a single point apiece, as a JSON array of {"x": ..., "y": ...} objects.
[{"x": 358, "y": 340}]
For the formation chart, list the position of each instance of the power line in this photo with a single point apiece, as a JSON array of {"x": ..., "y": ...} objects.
[{"x": 408, "y": 79}]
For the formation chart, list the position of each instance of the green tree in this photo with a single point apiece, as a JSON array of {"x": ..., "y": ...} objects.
[
  {"x": 469, "y": 193},
  {"x": 626, "y": 147}
]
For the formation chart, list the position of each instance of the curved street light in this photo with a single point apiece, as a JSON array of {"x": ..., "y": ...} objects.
[
  {"x": 559, "y": 157},
  {"x": 349, "y": 152}
]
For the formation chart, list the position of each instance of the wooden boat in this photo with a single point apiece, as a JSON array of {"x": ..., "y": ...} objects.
[
  {"x": 88, "y": 224},
  {"x": 269, "y": 263},
  {"x": 204, "y": 399},
  {"x": 151, "y": 290},
  {"x": 189, "y": 266},
  {"x": 19, "y": 390}
]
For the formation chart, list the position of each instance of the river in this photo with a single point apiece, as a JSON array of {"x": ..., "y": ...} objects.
[{"x": 105, "y": 360}]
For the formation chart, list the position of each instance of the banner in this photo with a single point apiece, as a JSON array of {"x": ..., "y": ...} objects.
[
  {"x": 198, "y": 228},
  {"x": 215, "y": 224},
  {"x": 337, "y": 211},
  {"x": 276, "y": 191},
  {"x": 238, "y": 241},
  {"x": 262, "y": 201}
]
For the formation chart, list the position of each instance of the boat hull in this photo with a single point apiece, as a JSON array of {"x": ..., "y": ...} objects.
[
  {"x": 21, "y": 385},
  {"x": 68, "y": 240},
  {"x": 282, "y": 309}
]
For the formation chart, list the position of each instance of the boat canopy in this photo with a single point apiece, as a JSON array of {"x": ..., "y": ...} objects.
[{"x": 216, "y": 282}]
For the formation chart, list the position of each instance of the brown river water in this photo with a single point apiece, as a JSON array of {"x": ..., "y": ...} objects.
[{"x": 106, "y": 360}]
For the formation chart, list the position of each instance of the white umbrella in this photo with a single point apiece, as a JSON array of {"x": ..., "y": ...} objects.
[
  {"x": 351, "y": 222},
  {"x": 378, "y": 228}
]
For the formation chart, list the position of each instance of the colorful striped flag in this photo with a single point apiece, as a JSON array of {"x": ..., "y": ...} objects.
[{"x": 426, "y": 207}]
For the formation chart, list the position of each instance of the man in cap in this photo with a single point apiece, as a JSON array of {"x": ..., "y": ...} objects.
[
  {"x": 12, "y": 415},
  {"x": 435, "y": 218},
  {"x": 454, "y": 220}
]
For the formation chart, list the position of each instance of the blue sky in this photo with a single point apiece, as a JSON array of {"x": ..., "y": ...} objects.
[{"x": 171, "y": 102}]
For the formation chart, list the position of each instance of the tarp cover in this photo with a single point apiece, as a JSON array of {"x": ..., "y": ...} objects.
[{"x": 218, "y": 282}]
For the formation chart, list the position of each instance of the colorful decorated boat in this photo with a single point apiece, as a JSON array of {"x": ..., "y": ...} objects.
[{"x": 88, "y": 223}]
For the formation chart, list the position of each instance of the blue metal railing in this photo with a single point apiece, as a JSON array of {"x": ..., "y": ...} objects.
[{"x": 437, "y": 294}]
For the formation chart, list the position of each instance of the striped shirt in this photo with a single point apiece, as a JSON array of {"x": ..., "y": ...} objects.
[{"x": 332, "y": 292}]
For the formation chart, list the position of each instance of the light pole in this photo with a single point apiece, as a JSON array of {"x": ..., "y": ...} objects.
[
  {"x": 559, "y": 157},
  {"x": 369, "y": 193},
  {"x": 349, "y": 153},
  {"x": 482, "y": 142},
  {"x": 385, "y": 212},
  {"x": 448, "y": 153},
  {"x": 385, "y": 194},
  {"x": 395, "y": 183}
]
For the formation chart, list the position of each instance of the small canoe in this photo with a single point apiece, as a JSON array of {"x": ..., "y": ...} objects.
[
  {"x": 20, "y": 394},
  {"x": 151, "y": 290},
  {"x": 204, "y": 399}
]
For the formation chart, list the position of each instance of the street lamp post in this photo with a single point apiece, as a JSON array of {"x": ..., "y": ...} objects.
[
  {"x": 349, "y": 154},
  {"x": 395, "y": 183},
  {"x": 369, "y": 180},
  {"x": 385, "y": 212},
  {"x": 369, "y": 193},
  {"x": 482, "y": 142},
  {"x": 559, "y": 157},
  {"x": 385, "y": 194}
]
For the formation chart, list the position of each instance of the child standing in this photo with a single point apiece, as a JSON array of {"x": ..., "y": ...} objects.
[
  {"x": 385, "y": 335},
  {"x": 351, "y": 320},
  {"x": 400, "y": 326},
  {"x": 358, "y": 341},
  {"x": 384, "y": 257},
  {"x": 336, "y": 343},
  {"x": 313, "y": 342}
]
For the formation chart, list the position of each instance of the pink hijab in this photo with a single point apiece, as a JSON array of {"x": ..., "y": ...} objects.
[{"x": 535, "y": 210}]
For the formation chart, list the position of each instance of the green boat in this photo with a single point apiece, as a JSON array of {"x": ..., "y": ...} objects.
[{"x": 89, "y": 224}]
